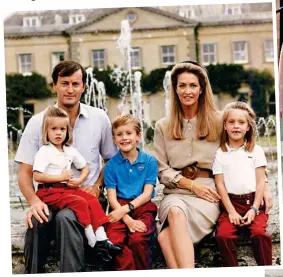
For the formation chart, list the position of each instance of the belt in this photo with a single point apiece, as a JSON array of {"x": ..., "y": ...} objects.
[
  {"x": 247, "y": 196},
  {"x": 53, "y": 185},
  {"x": 192, "y": 172}
]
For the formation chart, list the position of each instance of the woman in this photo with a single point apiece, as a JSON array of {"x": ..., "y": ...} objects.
[{"x": 185, "y": 145}]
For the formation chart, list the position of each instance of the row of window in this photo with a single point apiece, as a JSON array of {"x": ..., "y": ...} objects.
[
  {"x": 168, "y": 55},
  {"x": 240, "y": 52},
  {"x": 229, "y": 10},
  {"x": 208, "y": 54},
  {"x": 34, "y": 21}
]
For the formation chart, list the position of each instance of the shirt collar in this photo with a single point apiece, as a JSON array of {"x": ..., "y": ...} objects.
[
  {"x": 140, "y": 158},
  {"x": 192, "y": 120},
  {"x": 229, "y": 149},
  {"x": 82, "y": 109},
  {"x": 49, "y": 144}
]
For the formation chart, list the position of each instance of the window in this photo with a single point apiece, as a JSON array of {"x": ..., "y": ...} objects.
[
  {"x": 268, "y": 50},
  {"x": 76, "y": 18},
  {"x": 25, "y": 64},
  {"x": 232, "y": 10},
  {"x": 132, "y": 17},
  {"x": 31, "y": 21},
  {"x": 168, "y": 54},
  {"x": 188, "y": 13},
  {"x": 136, "y": 58},
  {"x": 208, "y": 50},
  {"x": 98, "y": 58},
  {"x": 56, "y": 58},
  {"x": 240, "y": 52}
]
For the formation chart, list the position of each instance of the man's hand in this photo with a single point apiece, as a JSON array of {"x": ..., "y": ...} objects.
[
  {"x": 91, "y": 189},
  {"x": 39, "y": 210},
  {"x": 267, "y": 198}
]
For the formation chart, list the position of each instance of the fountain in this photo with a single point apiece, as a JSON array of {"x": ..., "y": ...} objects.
[
  {"x": 96, "y": 95},
  {"x": 93, "y": 87},
  {"x": 166, "y": 86}
]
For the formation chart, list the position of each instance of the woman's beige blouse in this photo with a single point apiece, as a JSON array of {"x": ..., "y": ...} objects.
[{"x": 177, "y": 154}]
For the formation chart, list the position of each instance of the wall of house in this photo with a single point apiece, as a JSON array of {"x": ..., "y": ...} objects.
[
  {"x": 149, "y": 42},
  {"x": 255, "y": 34},
  {"x": 41, "y": 49}
]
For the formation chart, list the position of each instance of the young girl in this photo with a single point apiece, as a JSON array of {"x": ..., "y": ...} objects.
[
  {"x": 239, "y": 169},
  {"x": 57, "y": 186},
  {"x": 130, "y": 177}
]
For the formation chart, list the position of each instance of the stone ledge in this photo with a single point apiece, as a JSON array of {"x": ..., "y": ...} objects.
[{"x": 206, "y": 256}]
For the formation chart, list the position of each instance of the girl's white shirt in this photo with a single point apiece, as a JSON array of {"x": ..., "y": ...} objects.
[
  {"x": 50, "y": 160},
  {"x": 239, "y": 168}
]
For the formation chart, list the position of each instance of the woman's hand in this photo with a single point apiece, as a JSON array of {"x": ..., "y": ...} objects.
[
  {"x": 267, "y": 198},
  {"x": 205, "y": 192}
]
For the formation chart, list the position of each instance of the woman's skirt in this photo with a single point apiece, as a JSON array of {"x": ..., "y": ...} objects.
[{"x": 201, "y": 214}]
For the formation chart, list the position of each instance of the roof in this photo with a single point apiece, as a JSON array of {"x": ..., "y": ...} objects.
[
  {"x": 239, "y": 21},
  {"x": 13, "y": 25}
]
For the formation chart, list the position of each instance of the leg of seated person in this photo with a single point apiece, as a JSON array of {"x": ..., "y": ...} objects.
[
  {"x": 261, "y": 242},
  {"x": 226, "y": 238},
  {"x": 166, "y": 248},
  {"x": 37, "y": 245},
  {"x": 182, "y": 244},
  {"x": 69, "y": 241},
  {"x": 139, "y": 241},
  {"x": 117, "y": 233}
]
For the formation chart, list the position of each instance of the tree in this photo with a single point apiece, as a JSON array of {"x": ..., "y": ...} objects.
[
  {"x": 226, "y": 77},
  {"x": 20, "y": 88}
]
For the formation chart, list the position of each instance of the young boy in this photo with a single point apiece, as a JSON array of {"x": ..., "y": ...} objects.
[{"x": 130, "y": 177}]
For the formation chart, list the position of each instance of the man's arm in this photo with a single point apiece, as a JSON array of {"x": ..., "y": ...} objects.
[
  {"x": 38, "y": 209},
  {"x": 96, "y": 188}
]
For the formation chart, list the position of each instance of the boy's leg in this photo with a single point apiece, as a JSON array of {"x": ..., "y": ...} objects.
[
  {"x": 226, "y": 238},
  {"x": 97, "y": 214},
  {"x": 261, "y": 242},
  {"x": 138, "y": 241},
  {"x": 117, "y": 233}
]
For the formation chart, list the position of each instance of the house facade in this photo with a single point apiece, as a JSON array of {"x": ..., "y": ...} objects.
[{"x": 37, "y": 41}]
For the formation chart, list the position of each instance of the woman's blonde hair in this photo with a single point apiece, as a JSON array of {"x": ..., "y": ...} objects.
[
  {"x": 207, "y": 122},
  {"x": 53, "y": 112},
  {"x": 250, "y": 135},
  {"x": 125, "y": 119}
]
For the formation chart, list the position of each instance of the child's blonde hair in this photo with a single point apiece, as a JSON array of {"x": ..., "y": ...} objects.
[
  {"x": 53, "y": 112},
  {"x": 125, "y": 119},
  {"x": 250, "y": 134}
]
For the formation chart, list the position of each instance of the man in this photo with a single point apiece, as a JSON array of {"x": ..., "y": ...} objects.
[{"x": 91, "y": 137}]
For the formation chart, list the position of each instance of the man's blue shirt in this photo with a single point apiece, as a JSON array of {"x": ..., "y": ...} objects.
[{"x": 129, "y": 179}]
